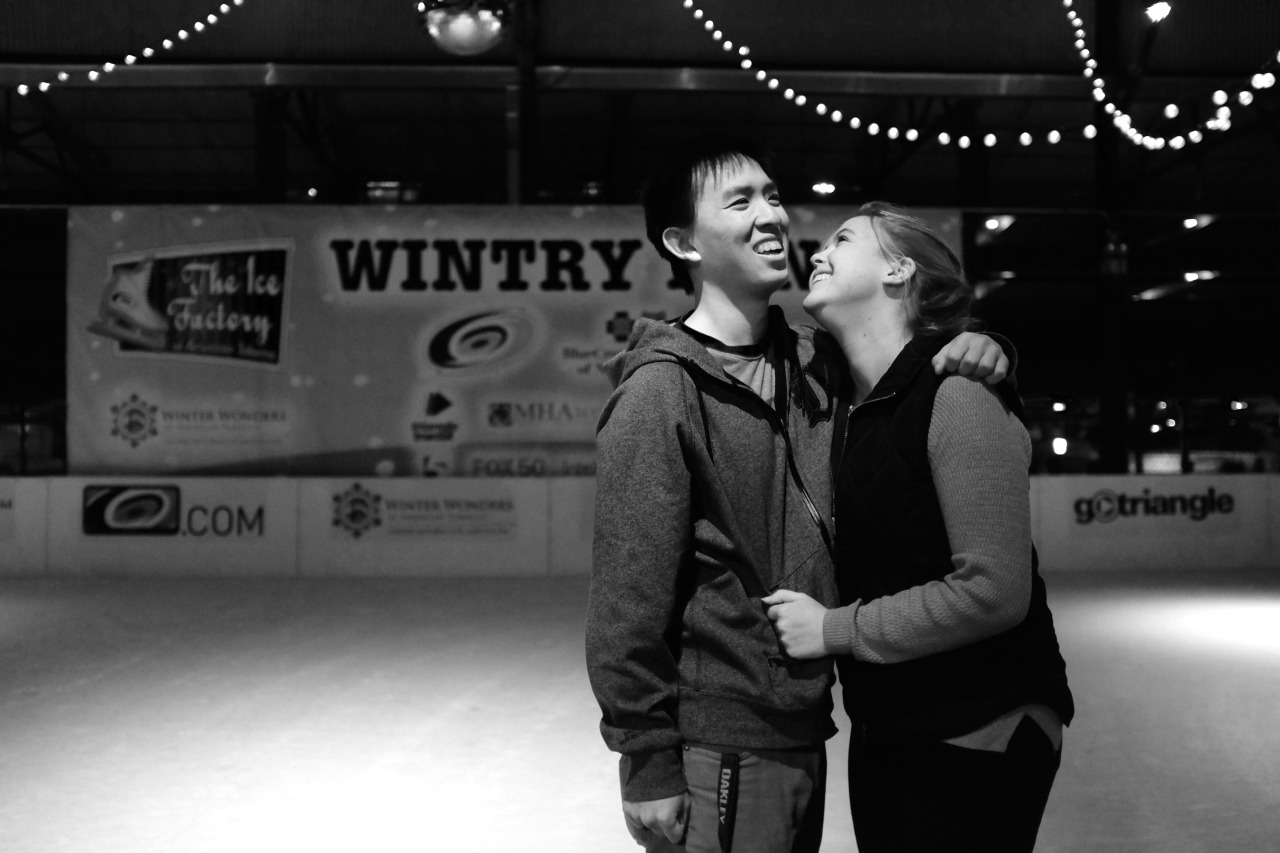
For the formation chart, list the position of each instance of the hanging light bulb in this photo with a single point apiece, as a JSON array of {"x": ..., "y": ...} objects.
[{"x": 464, "y": 27}]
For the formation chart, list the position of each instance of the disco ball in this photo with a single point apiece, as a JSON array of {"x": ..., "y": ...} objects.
[{"x": 464, "y": 27}]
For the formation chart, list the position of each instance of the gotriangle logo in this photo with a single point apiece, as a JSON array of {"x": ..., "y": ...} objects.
[{"x": 436, "y": 403}]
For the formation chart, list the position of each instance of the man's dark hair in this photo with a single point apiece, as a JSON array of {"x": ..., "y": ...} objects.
[{"x": 670, "y": 196}]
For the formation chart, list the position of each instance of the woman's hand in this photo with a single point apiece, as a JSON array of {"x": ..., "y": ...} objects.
[{"x": 798, "y": 620}]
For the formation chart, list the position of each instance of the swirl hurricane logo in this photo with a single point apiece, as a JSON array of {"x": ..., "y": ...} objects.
[
  {"x": 131, "y": 510},
  {"x": 357, "y": 510},
  {"x": 478, "y": 342},
  {"x": 134, "y": 420}
]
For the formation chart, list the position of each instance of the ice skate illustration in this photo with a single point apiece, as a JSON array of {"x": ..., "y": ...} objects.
[{"x": 125, "y": 314}]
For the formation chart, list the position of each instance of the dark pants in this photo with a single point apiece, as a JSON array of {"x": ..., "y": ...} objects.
[
  {"x": 773, "y": 801},
  {"x": 931, "y": 796}
]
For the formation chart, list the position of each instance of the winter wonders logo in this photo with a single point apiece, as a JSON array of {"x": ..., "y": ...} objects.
[
  {"x": 133, "y": 420},
  {"x": 221, "y": 302},
  {"x": 357, "y": 510}
]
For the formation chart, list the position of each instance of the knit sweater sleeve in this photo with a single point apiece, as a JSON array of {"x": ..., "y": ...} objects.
[{"x": 979, "y": 454}]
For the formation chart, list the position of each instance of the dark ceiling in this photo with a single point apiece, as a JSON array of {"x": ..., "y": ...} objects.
[
  {"x": 281, "y": 97},
  {"x": 284, "y": 98}
]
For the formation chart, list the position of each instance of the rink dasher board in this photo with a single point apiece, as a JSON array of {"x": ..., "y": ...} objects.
[
  {"x": 1157, "y": 522},
  {"x": 451, "y": 527},
  {"x": 172, "y": 526},
  {"x": 283, "y": 527},
  {"x": 24, "y": 520}
]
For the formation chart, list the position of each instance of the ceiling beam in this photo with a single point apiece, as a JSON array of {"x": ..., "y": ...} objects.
[{"x": 582, "y": 78}]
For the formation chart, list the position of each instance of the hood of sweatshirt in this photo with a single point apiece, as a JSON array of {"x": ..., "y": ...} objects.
[{"x": 659, "y": 340}]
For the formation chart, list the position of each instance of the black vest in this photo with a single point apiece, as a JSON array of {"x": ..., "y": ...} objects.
[{"x": 890, "y": 536}]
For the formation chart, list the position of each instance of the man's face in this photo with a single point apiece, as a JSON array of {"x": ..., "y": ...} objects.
[{"x": 740, "y": 230}]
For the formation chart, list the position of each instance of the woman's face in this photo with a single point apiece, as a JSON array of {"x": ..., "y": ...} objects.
[{"x": 850, "y": 268}]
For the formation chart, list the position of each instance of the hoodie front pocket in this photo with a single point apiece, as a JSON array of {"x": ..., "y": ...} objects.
[{"x": 799, "y": 684}]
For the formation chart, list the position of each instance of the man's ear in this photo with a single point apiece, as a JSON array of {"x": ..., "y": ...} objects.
[
  {"x": 901, "y": 270},
  {"x": 677, "y": 243}
]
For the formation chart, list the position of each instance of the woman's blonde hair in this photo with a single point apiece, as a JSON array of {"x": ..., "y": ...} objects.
[{"x": 938, "y": 296}]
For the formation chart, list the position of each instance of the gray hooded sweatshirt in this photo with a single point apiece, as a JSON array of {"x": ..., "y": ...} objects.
[{"x": 698, "y": 516}]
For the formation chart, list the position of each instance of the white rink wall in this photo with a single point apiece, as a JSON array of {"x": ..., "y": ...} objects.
[{"x": 494, "y": 527}]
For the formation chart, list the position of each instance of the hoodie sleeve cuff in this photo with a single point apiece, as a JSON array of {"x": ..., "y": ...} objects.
[{"x": 653, "y": 775}]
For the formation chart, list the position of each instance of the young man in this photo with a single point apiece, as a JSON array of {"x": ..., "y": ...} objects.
[{"x": 713, "y": 490}]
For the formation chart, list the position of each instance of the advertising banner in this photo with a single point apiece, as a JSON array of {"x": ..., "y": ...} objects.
[
  {"x": 1154, "y": 522},
  {"x": 407, "y": 528},
  {"x": 187, "y": 527},
  {"x": 362, "y": 341},
  {"x": 23, "y": 525}
]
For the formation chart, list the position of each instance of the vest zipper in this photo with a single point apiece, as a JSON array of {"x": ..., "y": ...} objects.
[{"x": 844, "y": 445}]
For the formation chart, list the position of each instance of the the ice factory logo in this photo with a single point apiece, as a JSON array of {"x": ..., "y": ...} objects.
[
  {"x": 126, "y": 313},
  {"x": 357, "y": 510},
  {"x": 134, "y": 420}
]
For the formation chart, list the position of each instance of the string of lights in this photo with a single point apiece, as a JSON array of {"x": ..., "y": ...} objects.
[
  {"x": 94, "y": 74},
  {"x": 1221, "y": 121}
]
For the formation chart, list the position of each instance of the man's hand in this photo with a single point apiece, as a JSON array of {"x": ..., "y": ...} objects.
[
  {"x": 798, "y": 620},
  {"x": 669, "y": 817},
  {"x": 974, "y": 355}
]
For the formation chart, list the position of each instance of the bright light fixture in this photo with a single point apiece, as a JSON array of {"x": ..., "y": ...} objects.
[
  {"x": 464, "y": 27},
  {"x": 1157, "y": 12}
]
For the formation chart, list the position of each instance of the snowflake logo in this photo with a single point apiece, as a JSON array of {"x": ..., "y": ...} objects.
[
  {"x": 500, "y": 415},
  {"x": 620, "y": 324},
  {"x": 357, "y": 510},
  {"x": 134, "y": 420}
]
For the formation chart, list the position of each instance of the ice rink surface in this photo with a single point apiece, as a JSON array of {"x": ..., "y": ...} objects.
[{"x": 147, "y": 715}]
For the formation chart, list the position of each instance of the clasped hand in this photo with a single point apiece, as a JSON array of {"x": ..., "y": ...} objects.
[{"x": 797, "y": 618}]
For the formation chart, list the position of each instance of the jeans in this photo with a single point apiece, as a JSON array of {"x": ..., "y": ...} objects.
[{"x": 778, "y": 807}]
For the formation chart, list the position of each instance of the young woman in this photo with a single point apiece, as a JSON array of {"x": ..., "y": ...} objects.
[{"x": 946, "y": 649}]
